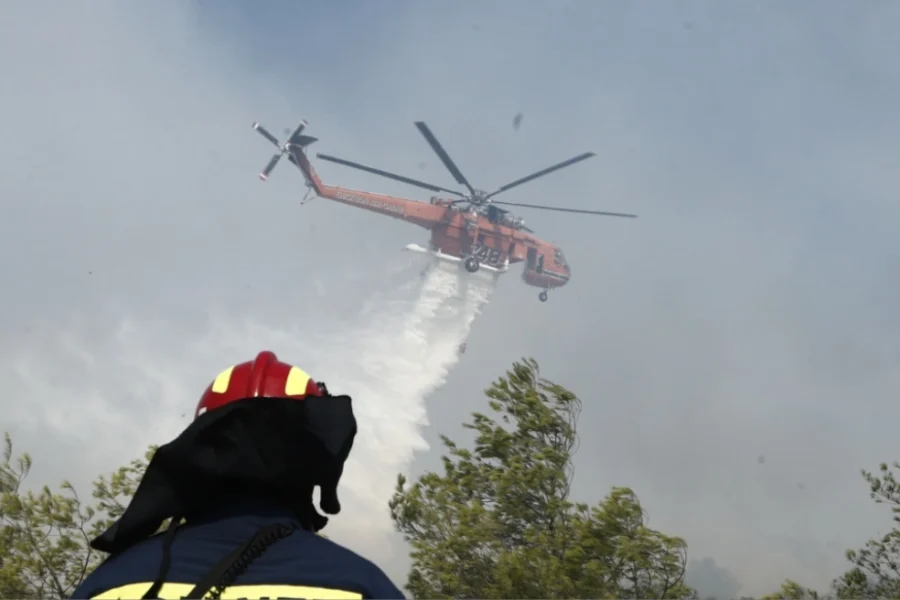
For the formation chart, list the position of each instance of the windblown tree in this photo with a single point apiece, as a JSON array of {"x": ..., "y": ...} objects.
[
  {"x": 44, "y": 535},
  {"x": 791, "y": 590},
  {"x": 876, "y": 566},
  {"x": 499, "y": 521},
  {"x": 875, "y": 573},
  {"x": 9, "y": 479}
]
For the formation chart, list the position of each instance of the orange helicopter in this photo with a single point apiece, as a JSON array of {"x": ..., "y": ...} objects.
[{"x": 469, "y": 229}]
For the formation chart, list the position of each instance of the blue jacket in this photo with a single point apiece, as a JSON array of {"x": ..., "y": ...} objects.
[{"x": 301, "y": 565}]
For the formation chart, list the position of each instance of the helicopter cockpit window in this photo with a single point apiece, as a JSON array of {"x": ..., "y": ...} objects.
[{"x": 559, "y": 257}]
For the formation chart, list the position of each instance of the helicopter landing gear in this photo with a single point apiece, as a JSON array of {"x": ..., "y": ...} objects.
[
  {"x": 471, "y": 264},
  {"x": 543, "y": 296}
]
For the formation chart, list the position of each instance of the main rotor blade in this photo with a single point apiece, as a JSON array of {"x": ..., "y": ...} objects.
[
  {"x": 543, "y": 172},
  {"x": 408, "y": 180},
  {"x": 569, "y": 210},
  {"x": 445, "y": 158}
]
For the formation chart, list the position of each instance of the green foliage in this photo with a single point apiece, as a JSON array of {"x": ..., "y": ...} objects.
[
  {"x": 876, "y": 567},
  {"x": 45, "y": 534},
  {"x": 791, "y": 590},
  {"x": 499, "y": 523}
]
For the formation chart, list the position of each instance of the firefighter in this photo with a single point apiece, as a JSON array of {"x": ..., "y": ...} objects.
[{"x": 237, "y": 488}]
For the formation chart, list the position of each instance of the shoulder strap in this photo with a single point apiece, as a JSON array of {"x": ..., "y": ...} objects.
[{"x": 223, "y": 573}]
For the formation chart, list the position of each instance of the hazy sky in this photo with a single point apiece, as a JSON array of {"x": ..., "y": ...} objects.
[{"x": 735, "y": 346}]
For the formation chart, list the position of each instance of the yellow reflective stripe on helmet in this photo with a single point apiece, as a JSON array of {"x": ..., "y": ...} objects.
[
  {"x": 296, "y": 383},
  {"x": 220, "y": 384}
]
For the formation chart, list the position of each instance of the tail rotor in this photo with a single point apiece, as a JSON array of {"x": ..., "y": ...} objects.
[
  {"x": 264, "y": 174},
  {"x": 285, "y": 148}
]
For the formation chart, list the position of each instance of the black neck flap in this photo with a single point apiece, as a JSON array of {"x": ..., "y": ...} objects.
[{"x": 280, "y": 447}]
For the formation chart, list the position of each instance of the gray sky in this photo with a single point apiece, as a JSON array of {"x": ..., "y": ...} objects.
[{"x": 749, "y": 312}]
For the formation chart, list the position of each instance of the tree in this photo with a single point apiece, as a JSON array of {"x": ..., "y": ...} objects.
[
  {"x": 791, "y": 590},
  {"x": 876, "y": 566},
  {"x": 45, "y": 535},
  {"x": 499, "y": 522}
]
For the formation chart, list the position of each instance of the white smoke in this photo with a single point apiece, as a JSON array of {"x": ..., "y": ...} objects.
[{"x": 140, "y": 382}]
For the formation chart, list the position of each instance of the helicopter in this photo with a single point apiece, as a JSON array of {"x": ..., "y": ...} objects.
[{"x": 471, "y": 228}]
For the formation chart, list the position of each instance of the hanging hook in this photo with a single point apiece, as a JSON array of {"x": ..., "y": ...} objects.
[{"x": 308, "y": 192}]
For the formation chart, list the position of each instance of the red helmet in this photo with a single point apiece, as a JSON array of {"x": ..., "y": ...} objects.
[{"x": 265, "y": 376}]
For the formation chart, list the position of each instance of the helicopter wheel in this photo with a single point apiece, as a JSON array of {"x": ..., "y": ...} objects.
[
  {"x": 471, "y": 264},
  {"x": 543, "y": 296}
]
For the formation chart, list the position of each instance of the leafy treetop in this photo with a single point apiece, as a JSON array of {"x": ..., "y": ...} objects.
[{"x": 499, "y": 521}]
